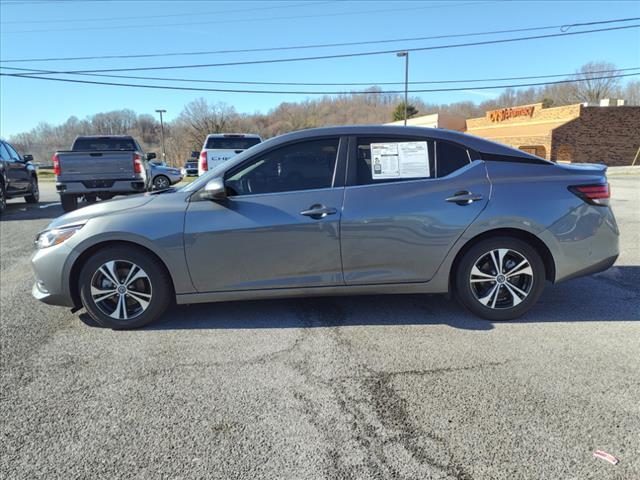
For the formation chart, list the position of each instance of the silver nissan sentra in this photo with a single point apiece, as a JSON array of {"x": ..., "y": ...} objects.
[{"x": 333, "y": 211}]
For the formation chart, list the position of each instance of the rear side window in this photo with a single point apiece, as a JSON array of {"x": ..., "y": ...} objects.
[
  {"x": 231, "y": 143},
  {"x": 104, "y": 143},
  {"x": 364, "y": 171},
  {"x": 304, "y": 165},
  {"x": 451, "y": 157}
]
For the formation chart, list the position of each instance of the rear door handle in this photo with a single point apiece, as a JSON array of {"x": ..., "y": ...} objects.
[
  {"x": 464, "y": 197},
  {"x": 318, "y": 211}
]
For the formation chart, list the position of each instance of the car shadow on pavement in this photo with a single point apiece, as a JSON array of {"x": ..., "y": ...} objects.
[
  {"x": 23, "y": 211},
  {"x": 605, "y": 297}
]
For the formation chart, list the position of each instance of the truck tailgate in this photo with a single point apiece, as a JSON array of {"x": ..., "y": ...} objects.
[{"x": 107, "y": 165}]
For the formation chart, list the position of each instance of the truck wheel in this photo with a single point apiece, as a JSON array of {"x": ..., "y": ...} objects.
[
  {"x": 124, "y": 287},
  {"x": 34, "y": 196},
  {"x": 69, "y": 202},
  {"x": 106, "y": 196},
  {"x": 161, "y": 183}
]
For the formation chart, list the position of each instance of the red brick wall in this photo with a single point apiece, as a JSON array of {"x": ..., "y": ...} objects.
[{"x": 609, "y": 135}]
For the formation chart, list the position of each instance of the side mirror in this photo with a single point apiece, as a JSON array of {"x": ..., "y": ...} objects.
[
  {"x": 214, "y": 189},
  {"x": 151, "y": 156},
  {"x": 28, "y": 158},
  {"x": 195, "y": 154}
]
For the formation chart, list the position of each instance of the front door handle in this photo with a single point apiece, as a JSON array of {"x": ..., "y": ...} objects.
[
  {"x": 464, "y": 197},
  {"x": 318, "y": 211}
]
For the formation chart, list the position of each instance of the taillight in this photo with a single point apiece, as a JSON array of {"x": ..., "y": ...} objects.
[
  {"x": 204, "y": 166},
  {"x": 137, "y": 163},
  {"x": 598, "y": 194},
  {"x": 56, "y": 164}
]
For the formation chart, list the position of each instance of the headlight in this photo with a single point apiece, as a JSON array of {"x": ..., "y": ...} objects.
[{"x": 56, "y": 236}]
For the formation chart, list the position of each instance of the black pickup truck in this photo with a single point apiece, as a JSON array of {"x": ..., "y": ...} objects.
[
  {"x": 18, "y": 177},
  {"x": 101, "y": 166}
]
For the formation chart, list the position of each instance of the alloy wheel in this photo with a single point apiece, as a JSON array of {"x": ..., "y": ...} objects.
[
  {"x": 501, "y": 278},
  {"x": 161, "y": 183},
  {"x": 121, "y": 289}
]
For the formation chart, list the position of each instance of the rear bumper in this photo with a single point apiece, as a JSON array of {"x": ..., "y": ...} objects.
[
  {"x": 583, "y": 242},
  {"x": 118, "y": 186}
]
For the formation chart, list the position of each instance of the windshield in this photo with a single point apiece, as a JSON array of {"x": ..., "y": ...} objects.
[{"x": 231, "y": 143}]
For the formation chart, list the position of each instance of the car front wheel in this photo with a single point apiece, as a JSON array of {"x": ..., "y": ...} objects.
[
  {"x": 123, "y": 288},
  {"x": 34, "y": 196},
  {"x": 161, "y": 183},
  {"x": 500, "y": 278}
]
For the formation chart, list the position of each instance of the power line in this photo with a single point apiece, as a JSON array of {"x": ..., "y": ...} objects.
[
  {"x": 333, "y": 84},
  {"x": 350, "y": 55},
  {"x": 197, "y": 14},
  {"x": 563, "y": 27},
  {"x": 263, "y": 19},
  {"x": 197, "y": 89}
]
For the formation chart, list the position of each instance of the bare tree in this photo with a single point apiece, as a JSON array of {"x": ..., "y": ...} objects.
[{"x": 593, "y": 86}]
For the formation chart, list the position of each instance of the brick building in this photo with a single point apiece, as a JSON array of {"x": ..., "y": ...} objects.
[{"x": 572, "y": 133}]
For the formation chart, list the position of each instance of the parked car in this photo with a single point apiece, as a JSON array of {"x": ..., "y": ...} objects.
[
  {"x": 163, "y": 176},
  {"x": 101, "y": 166},
  {"x": 18, "y": 176},
  {"x": 190, "y": 169},
  {"x": 335, "y": 211},
  {"x": 220, "y": 147}
]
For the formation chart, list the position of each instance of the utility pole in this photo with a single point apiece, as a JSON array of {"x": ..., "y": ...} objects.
[
  {"x": 406, "y": 82},
  {"x": 164, "y": 154}
]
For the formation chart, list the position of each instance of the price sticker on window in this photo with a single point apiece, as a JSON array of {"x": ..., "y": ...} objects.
[{"x": 399, "y": 160}]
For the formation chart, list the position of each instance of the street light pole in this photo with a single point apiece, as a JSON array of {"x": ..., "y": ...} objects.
[
  {"x": 164, "y": 155},
  {"x": 406, "y": 82}
]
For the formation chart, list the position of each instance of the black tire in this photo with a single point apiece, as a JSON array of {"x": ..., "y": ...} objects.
[
  {"x": 106, "y": 196},
  {"x": 3, "y": 197},
  {"x": 161, "y": 182},
  {"x": 505, "y": 302},
  {"x": 156, "y": 282},
  {"x": 34, "y": 196},
  {"x": 69, "y": 202}
]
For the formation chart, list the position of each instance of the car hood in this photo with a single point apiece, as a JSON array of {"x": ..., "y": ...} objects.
[{"x": 102, "y": 208}]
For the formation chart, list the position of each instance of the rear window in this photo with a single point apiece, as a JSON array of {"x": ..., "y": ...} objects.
[
  {"x": 191, "y": 165},
  {"x": 104, "y": 143},
  {"x": 231, "y": 143}
]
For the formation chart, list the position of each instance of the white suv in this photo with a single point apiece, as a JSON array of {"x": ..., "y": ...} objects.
[{"x": 220, "y": 147}]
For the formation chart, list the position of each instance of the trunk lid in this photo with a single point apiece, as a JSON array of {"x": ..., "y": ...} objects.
[{"x": 107, "y": 165}]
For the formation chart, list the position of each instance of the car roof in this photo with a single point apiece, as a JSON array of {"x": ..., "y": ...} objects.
[{"x": 470, "y": 141}]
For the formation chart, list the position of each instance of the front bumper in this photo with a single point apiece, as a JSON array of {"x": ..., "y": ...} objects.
[{"x": 52, "y": 268}]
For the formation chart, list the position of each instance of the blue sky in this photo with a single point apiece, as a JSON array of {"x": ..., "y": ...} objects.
[{"x": 59, "y": 28}]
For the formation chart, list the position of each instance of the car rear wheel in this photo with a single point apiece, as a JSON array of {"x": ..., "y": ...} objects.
[
  {"x": 34, "y": 196},
  {"x": 123, "y": 288},
  {"x": 161, "y": 182},
  {"x": 500, "y": 278},
  {"x": 69, "y": 202}
]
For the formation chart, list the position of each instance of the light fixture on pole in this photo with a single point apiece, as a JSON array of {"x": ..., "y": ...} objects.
[
  {"x": 164, "y": 155},
  {"x": 406, "y": 82}
]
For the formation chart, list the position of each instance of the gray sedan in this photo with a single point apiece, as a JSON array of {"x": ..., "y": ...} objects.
[
  {"x": 333, "y": 211},
  {"x": 163, "y": 176}
]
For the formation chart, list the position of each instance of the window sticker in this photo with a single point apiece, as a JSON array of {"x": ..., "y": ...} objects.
[{"x": 399, "y": 160}]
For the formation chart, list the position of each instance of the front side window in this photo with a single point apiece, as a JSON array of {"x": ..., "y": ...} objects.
[
  {"x": 12, "y": 153},
  {"x": 451, "y": 157},
  {"x": 402, "y": 158},
  {"x": 300, "y": 166},
  {"x": 4, "y": 153}
]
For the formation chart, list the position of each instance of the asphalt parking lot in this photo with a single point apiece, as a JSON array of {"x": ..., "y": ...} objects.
[{"x": 407, "y": 387}]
